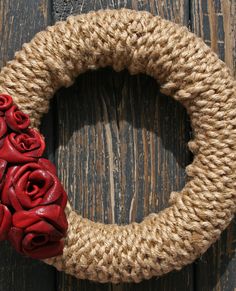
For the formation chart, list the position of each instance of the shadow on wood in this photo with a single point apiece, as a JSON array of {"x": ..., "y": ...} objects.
[{"x": 118, "y": 133}]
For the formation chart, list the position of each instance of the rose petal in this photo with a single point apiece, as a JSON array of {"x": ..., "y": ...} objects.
[
  {"x": 54, "y": 193},
  {"x": 3, "y": 165},
  {"x": 43, "y": 227},
  {"x": 5, "y": 221},
  {"x": 12, "y": 155},
  {"x": 46, "y": 188},
  {"x": 30, "y": 241},
  {"x": 55, "y": 215},
  {"x": 39, "y": 137},
  {"x": 15, "y": 236},
  {"x": 8, "y": 184},
  {"x": 25, "y": 168},
  {"x": 3, "y": 127},
  {"x": 61, "y": 198},
  {"x": 64, "y": 199},
  {"x": 34, "y": 176},
  {"x": 41, "y": 178},
  {"x": 23, "y": 218},
  {"x": 1, "y": 185},
  {"x": 5, "y": 102},
  {"x": 13, "y": 201},
  {"x": 49, "y": 250},
  {"x": 21, "y": 192},
  {"x": 16, "y": 119},
  {"x": 30, "y": 143},
  {"x": 46, "y": 164}
]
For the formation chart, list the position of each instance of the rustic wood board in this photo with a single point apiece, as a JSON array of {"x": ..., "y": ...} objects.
[
  {"x": 125, "y": 141},
  {"x": 215, "y": 22},
  {"x": 17, "y": 26},
  {"x": 115, "y": 132}
]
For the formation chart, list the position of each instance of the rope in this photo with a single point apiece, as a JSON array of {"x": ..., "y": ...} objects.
[{"x": 188, "y": 71}]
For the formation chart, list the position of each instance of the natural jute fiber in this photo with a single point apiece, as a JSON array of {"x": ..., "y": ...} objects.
[{"x": 188, "y": 71}]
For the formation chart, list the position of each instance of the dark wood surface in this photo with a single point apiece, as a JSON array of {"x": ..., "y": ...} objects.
[{"x": 115, "y": 133}]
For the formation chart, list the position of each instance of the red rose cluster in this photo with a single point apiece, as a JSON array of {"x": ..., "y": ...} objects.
[{"x": 32, "y": 198}]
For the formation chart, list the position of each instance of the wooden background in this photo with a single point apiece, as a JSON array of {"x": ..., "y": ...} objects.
[{"x": 115, "y": 133}]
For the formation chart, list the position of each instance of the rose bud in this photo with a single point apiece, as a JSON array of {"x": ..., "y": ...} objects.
[
  {"x": 16, "y": 119},
  {"x": 5, "y": 102},
  {"x": 22, "y": 147},
  {"x": 37, "y": 233},
  {"x": 32, "y": 185},
  {"x": 3, "y": 127},
  {"x": 5, "y": 221}
]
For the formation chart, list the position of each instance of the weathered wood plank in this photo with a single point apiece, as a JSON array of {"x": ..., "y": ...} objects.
[
  {"x": 120, "y": 117},
  {"x": 121, "y": 145},
  {"x": 175, "y": 10},
  {"x": 19, "y": 21},
  {"x": 215, "y": 22}
]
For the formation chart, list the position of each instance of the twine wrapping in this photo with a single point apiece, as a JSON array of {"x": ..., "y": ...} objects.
[{"x": 188, "y": 71}]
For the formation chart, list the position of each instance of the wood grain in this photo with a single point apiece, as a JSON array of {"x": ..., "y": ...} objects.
[
  {"x": 121, "y": 145},
  {"x": 215, "y": 22},
  {"x": 19, "y": 21}
]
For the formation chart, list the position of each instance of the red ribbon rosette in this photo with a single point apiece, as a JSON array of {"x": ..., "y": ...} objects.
[
  {"x": 38, "y": 232},
  {"x": 32, "y": 198}
]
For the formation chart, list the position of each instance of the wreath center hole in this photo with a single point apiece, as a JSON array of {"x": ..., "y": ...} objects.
[{"x": 120, "y": 146}]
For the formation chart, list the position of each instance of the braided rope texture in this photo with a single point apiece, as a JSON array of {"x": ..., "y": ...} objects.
[{"x": 188, "y": 71}]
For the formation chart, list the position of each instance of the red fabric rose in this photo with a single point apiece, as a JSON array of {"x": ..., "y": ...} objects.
[
  {"x": 22, "y": 147},
  {"x": 32, "y": 214},
  {"x": 5, "y": 102},
  {"x": 38, "y": 232},
  {"x": 5, "y": 221},
  {"x": 32, "y": 185},
  {"x": 16, "y": 119}
]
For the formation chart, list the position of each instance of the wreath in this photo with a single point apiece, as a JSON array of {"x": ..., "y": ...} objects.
[{"x": 34, "y": 213}]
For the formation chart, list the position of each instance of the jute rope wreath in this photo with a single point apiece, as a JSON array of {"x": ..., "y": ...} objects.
[{"x": 33, "y": 200}]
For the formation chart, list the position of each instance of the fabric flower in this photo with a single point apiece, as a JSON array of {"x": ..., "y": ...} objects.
[
  {"x": 5, "y": 102},
  {"x": 32, "y": 185},
  {"x": 16, "y": 119},
  {"x": 38, "y": 232},
  {"x": 22, "y": 147},
  {"x": 5, "y": 221},
  {"x": 33, "y": 200}
]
